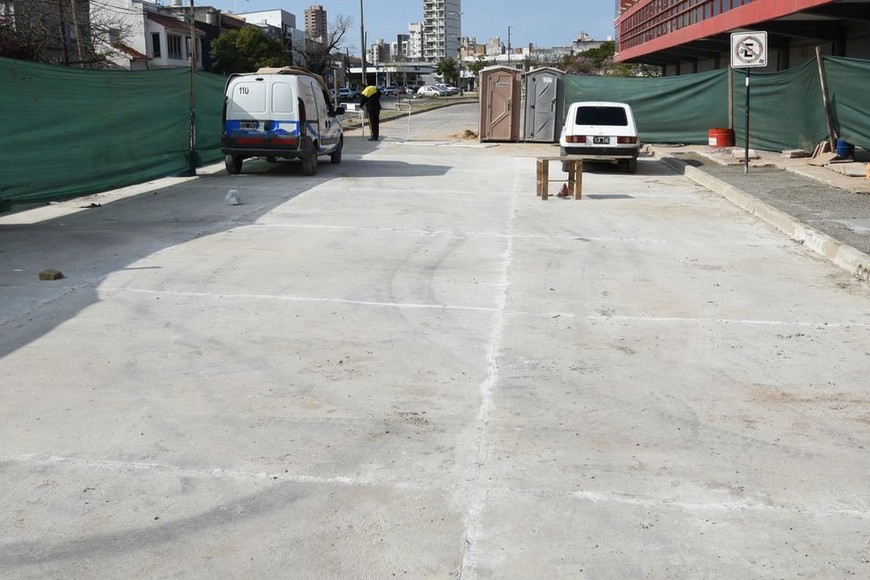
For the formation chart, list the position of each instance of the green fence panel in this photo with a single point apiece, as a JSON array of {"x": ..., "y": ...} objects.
[
  {"x": 678, "y": 109},
  {"x": 209, "y": 110},
  {"x": 786, "y": 108},
  {"x": 848, "y": 86},
  {"x": 69, "y": 132}
]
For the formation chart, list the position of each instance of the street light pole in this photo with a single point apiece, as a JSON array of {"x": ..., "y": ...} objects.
[
  {"x": 362, "y": 41},
  {"x": 509, "y": 45},
  {"x": 459, "y": 48}
]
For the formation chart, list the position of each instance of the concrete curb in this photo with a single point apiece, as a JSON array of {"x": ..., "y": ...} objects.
[
  {"x": 842, "y": 255},
  {"x": 354, "y": 122}
]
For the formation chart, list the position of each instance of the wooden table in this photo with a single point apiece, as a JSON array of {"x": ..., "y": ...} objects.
[{"x": 575, "y": 175}]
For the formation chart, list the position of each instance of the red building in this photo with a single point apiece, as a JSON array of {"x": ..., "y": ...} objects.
[{"x": 687, "y": 36}]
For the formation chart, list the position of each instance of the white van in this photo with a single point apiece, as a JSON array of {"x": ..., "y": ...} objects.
[{"x": 279, "y": 113}]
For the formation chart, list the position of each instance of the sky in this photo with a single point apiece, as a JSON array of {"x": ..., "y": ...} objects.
[{"x": 545, "y": 23}]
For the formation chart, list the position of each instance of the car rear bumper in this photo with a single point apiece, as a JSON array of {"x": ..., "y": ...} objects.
[
  {"x": 603, "y": 152},
  {"x": 261, "y": 152}
]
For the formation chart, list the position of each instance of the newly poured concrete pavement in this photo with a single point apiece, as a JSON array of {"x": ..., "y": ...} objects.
[{"x": 410, "y": 366}]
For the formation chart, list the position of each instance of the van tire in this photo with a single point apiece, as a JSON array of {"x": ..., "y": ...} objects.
[
  {"x": 335, "y": 157},
  {"x": 233, "y": 164},
  {"x": 309, "y": 157}
]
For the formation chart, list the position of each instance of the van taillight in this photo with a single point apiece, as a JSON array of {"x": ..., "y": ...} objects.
[
  {"x": 626, "y": 140},
  {"x": 575, "y": 138},
  {"x": 284, "y": 141}
]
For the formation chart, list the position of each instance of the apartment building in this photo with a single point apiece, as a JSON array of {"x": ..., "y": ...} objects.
[
  {"x": 441, "y": 29},
  {"x": 315, "y": 23}
]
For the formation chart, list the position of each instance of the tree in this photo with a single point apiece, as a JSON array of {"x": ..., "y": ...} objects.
[
  {"x": 246, "y": 50},
  {"x": 57, "y": 32},
  {"x": 317, "y": 56},
  {"x": 479, "y": 64},
  {"x": 599, "y": 61},
  {"x": 448, "y": 69}
]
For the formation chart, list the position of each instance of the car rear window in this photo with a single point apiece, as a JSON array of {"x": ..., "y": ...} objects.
[{"x": 610, "y": 116}]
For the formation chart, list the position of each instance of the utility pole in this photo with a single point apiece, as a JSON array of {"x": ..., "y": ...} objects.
[
  {"x": 362, "y": 41},
  {"x": 192, "y": 153},
  {"x": 78, "y": 31}
]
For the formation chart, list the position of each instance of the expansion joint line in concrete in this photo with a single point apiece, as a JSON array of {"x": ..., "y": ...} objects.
[{"x": 476, "y": 492}]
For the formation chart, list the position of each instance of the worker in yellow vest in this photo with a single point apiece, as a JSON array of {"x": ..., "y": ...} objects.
[{"x": 370, "y": 98}]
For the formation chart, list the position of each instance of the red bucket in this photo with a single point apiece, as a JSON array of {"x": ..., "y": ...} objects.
[{"x": 720, "y": 137}]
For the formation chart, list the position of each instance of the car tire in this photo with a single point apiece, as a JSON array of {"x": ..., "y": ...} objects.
[
  {"x": 562, "y": 153},
  {"x": 335, "y": 157},
  {"x": 233, "y": 164},
  {"x": 309, "y": 157},
  {"x": 631, "y": 165}
]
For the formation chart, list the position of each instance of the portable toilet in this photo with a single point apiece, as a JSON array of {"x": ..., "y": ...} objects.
[
  {"x": 542, "y": 119},
  {"x": 500, "y": 104}
]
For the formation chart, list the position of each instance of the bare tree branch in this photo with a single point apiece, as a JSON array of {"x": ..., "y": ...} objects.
[{"x": 318, "y": 56}]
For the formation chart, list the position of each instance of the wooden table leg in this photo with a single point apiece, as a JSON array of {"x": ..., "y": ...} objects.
[
  {"x": 578, "y": 183},
  {"x": 538, "y": 176},
  {"x": 571, "y": 176},
  {"x": 545, "y": 179}
]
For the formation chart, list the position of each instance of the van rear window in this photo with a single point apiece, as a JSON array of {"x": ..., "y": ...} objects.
[
  {"x": 283, "y": 99},
  {"x": 610, "y": 116},
  {"x": 249, "y": 97}
]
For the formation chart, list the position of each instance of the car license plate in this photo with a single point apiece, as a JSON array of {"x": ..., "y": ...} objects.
[
  {"x": 601, "y": 140},
  {"x": 249, "y": 125}
]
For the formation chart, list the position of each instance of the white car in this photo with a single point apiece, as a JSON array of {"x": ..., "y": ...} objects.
[
  {"x": 601, "y": 131},
  {"x": 430, "y": 91},
  {"x": 447, "y": 89}
]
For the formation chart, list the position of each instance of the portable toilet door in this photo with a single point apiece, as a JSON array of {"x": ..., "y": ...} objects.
[
  {"x": 543, "y": 112},
  {"x": 499, "y": 104}
]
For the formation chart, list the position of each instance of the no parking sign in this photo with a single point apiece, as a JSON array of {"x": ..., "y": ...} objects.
[{"x": 748, "y": 50}]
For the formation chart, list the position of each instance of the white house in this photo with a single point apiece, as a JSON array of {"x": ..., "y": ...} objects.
[{"x": 146, "y": 36}]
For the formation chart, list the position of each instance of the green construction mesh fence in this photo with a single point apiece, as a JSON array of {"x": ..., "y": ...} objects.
[
  {"x": 69, "y": 132},
  {"x": 786, "y": 108},
  {"x": 676, "y": 109}
]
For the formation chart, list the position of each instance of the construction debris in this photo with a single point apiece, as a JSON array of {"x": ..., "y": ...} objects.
[{"x": 50, "y": 274}]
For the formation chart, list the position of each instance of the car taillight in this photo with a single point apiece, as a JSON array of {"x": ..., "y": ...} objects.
[
  {"x": 575, "y": 138},
  {"x": 626, "y": 140}
]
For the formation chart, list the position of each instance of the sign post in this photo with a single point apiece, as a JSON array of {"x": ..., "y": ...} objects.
[{"x": 748, "y": 50}]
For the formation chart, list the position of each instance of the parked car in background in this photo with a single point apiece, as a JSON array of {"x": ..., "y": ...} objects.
[
  {"x": 601, "y": 130},
  {"x": 390, "y": 91},
  {"x": 447, "y": 89},
  {"x": 430, "y": 91},
  {"x": 346, "y": 94}
]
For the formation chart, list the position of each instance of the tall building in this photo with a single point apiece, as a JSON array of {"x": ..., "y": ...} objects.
[
  {"x": 315, "y": 22},
  {"x": 400, "y": 50},
  {"x": 686, "y": 36},
  {"x": 415, "y": 40},
  {"x": 442, "y": 27}
]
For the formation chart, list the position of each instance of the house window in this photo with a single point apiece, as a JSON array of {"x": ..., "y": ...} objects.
[
  {"x": 173, "y": 42},
  {"x": 7, "y": 14},
  {"x": 155, "y": 45}
]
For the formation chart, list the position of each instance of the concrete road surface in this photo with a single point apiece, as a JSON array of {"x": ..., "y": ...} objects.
[{"x": 409, "y": 366}]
